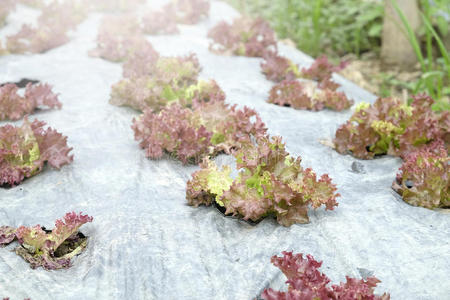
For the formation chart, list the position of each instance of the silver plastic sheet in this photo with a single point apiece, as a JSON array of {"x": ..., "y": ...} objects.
[{"x": 146, "y": 243}]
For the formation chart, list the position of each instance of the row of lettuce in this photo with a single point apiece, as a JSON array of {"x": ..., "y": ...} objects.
[{"x": 188, "y": 119}]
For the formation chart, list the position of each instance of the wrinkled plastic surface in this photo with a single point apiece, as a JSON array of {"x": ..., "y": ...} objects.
[{"x": 146, "y": 243}]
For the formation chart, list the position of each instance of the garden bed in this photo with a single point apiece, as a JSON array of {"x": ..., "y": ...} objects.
[{"x": 147, "y": 243}]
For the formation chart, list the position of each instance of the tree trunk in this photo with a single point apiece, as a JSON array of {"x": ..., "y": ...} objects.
[{"x": 396, "y": 49}]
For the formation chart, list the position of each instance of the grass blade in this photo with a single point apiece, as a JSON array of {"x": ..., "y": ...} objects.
[{"x": 410, "y": 35}]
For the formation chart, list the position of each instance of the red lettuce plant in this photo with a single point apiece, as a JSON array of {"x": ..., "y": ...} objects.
[
  {"x": 67, "y": 14},
  {"x": 3, "y": 50},
  {"x": 278, "y": 68},
  {"x": 120, "y": 37},
  {"x": 50, "y": 250},
  {"x": 33, "y": 3},
  {"x": 270, "y": 183},
  {"x": 191, "y": 11},
  {"x": 14, "y": 107},
  {"x": 245, "y": 37},
  {"x": 165, "y": 20},
  {"x": 115, "y": 5},
  {"x": 36, "y": 40},
  {"x": 182, "y": 69},
  {"x": 6, "y": 7},
  {"x": 190, "y": 135},
  {"x": 322, "y": 70},
  {"x": 161, "y": 22},
  {"x": 7, "y": 235},
  {"x": 423, "y": 179},
  {"x": 156, "y": 82},
  {"x": 25, "y": 149},
  {"x": 51, "y": 31},
  {"x": 391, "y": 127},
  {"x": 305, "y": 95},
  {"x": 306, "y": 282},
  {"x": 142, "y": 62}
]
